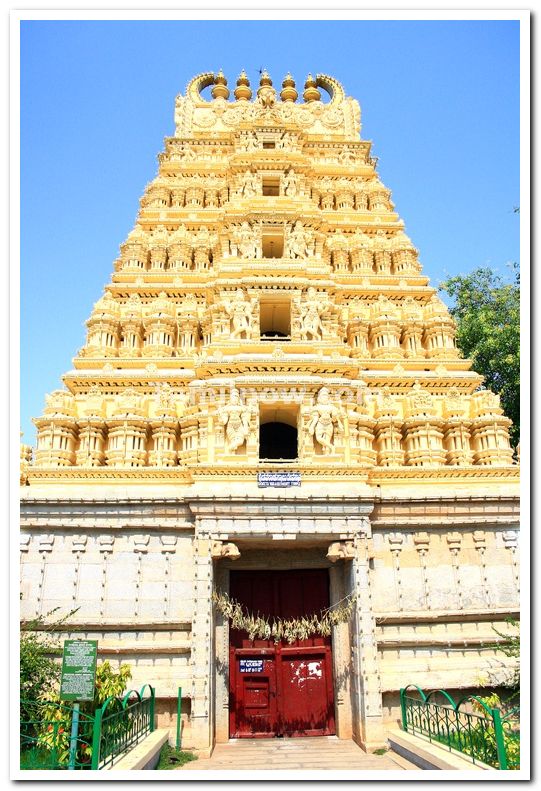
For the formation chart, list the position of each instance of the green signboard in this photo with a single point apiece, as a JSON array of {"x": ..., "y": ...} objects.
[{"x": 78, "y": 669}]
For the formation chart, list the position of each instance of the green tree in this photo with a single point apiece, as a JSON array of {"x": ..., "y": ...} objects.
[
  {"x": 510, "y": 646},
  {"x": 487, "y": 312}
]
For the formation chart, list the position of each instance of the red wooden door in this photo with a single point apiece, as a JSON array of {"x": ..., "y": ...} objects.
[{"x": 278, "y": 689}]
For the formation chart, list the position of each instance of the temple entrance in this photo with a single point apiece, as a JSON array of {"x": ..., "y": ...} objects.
[{"x": 280, "y": 689}]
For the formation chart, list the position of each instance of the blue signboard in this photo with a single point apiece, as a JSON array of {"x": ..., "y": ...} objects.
[
  {"x": 280, "y": 478},
  {"x": 251, "y": 665}
]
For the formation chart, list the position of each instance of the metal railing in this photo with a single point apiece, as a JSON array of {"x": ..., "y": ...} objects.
[
  {"x": 485, "y": 737},
  {"x": 47, "y": 740}
]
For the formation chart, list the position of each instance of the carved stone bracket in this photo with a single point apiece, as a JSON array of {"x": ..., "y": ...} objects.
[
  {"x": 79, "y": 543},
  {"x": 510, "y": 539},
  {"x": 454, "y": 541},
  {"x": 168, "y": 543},
  {"x": 396, "y": 542},
  {"x": 341, "y": 550},
  {"x": 141, "y": 543},
  {"x": 479, "y": 539},
  {"x": 46, "y": 543},
  {"x": 421, "y": 541},
  {"x": 220, "y": 549},
  {"x": 106, "y": 543}
]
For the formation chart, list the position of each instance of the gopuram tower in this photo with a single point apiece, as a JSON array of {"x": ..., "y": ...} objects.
[{"x": 270, "y": 404}]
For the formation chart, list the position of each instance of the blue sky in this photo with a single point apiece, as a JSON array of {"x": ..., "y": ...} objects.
[{"x": 439, "y": 100}]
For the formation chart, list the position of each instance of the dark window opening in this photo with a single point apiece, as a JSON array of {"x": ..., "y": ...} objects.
[
  {"x": 269, "y": 144},
  {"x": 275, "y": 320},
  {"x": 277, "y": 441},
  {"x": 271, "y": 185},
  {"x": 273, "y": 245}
]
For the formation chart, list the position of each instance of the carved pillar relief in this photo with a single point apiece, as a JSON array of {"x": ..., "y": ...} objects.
[
  {"x": 168, "y": 548},
  {"x": 396, "y": 543},
  {"x": 421, "y": 542},
  {"x": 510, "y": 540},
  {"x": 202, "y": 644},
  {"x": 480, "y": 544},
  {"x": 454, "y": 541},
  {"x": 105, "y": 546},
  {"x": 367, "y": 714}
]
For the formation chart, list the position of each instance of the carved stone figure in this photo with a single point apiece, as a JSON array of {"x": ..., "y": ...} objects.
[
  {"x": 246, "y": 241},
  {"x": 347, "y": 157},
  {"x": 290, "y": 183},
  {"x": 250, "y": 142},
  {"x": 311, "y": 311},
  {"x": 241, "y": 314},
  {"x": 324, "y": 416},
  {"x": 250, "y": 185},
  {"x": 286, "y": 141},
  {"x": 299, "y": 242},
  {"x": 236, "y": 419}
]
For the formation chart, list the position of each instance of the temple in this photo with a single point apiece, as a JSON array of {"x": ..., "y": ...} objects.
[{"x": 270, "y": 405}]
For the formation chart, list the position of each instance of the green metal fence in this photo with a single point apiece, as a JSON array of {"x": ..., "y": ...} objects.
[
  {"x": 485, "y": 737},
  {"x": 47, "y": 741}
]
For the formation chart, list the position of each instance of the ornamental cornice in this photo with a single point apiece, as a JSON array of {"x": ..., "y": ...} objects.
[
  {"x": 379, "y": 475},
  {"x": 117, "y": 474},
  {"x": 322, "y": 472}
]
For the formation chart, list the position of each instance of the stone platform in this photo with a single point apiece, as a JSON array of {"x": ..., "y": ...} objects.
[{"x": 319, "y": 752}]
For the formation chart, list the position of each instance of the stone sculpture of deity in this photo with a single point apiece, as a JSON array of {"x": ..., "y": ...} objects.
[
  {"x": 324, "y": 416},
  {"x": 251, "y": 142},
  {"x": 236, "y": 419},
  {"x": 246, "y": 241},
  {"x": 241, "y": 314},
  {"x": 290, "y": 183},
  {"x": 311, "y": 311},
  {"x": 250, "y": 185},
  {"x": 299, "y": 242}
]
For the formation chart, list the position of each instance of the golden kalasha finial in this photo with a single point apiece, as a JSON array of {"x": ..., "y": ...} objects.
[
  {"x": 243, "y": 92},
  {"x": 266, "y": 93},
  {"x": 288, "y": 92},
  {"x": 265, "y": 78},
  {"x": 311, "y": 92},
  {"x": 220, "y": 89}
]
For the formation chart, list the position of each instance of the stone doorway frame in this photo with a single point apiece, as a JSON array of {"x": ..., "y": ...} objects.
[{"x": 224, "y": 529}]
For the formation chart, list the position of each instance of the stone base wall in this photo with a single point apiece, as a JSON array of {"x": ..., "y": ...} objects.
[{"x": 431, "y": 588}]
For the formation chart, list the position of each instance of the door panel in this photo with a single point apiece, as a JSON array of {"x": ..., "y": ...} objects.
[
  {"x": 305, "y": 704},
  {"x": 255, "y": 697}
]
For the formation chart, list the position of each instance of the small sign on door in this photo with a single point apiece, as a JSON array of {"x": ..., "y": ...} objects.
[{"x": 251, "y": 665}]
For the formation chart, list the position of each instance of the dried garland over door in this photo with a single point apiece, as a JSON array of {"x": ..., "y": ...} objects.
[{"x": 288, "y": 629}]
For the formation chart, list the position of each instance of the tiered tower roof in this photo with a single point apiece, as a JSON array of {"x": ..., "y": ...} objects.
[{"x": 269, "y": 281}]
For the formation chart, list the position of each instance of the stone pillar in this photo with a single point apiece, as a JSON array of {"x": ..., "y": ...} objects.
[
  {"x": 202, "y": 692},
  {"x": 368, "y": 729},
  {"x": 221, "y": 631},
  {"x": 340, "y": 656}
]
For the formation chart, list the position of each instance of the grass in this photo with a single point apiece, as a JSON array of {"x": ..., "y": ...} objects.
[
  {"x": 37, "y": 758},
  {"x": 171, "y": 758}
]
